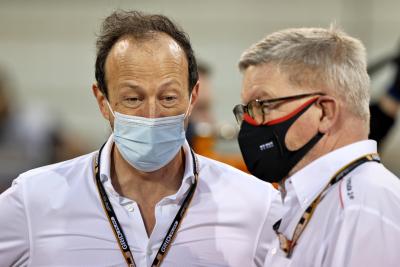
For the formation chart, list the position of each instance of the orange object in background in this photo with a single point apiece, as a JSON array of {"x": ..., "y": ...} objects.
[
  {"x": 205, "y": 147},
  {"x": 203, "y": 132}
]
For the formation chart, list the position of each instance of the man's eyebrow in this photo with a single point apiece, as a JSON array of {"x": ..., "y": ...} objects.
[
  {"x": 170, "y": 82},
  {"x": 260, "y": 94},
  {"x": 130, "y": 85}
]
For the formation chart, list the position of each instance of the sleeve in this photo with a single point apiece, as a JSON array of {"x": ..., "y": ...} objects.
[
  {"x": 266, "y": 234},
  {"x": 365, "y": 237},
  {"x": 14, "y": 234}
]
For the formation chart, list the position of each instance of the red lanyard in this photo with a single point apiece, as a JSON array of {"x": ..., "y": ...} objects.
[{"x": 288, "y": 245}]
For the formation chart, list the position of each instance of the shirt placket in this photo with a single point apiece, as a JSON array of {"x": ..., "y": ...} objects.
[
  {"x": 136, "y": 232},
  {"x": 165, "y": 212}
]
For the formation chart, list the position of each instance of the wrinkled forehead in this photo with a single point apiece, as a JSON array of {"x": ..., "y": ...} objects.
[
  {"x": 158, "y": 58},
  {"x": 156, "y": 45},
  {"x": 266, "y": 81}
]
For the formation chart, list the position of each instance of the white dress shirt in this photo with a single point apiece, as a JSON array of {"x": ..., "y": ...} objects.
[
  {"x": 357, "y": 223},
  {"x": 52, "y": 216}
]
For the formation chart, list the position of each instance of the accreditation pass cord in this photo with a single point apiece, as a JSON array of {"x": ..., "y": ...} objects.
[
  {"x": 116, "y": 226},
  {"x": 288, "y": 245}
]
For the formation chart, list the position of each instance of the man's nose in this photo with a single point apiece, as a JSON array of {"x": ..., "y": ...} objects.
[{"x": 151, "y": 109}]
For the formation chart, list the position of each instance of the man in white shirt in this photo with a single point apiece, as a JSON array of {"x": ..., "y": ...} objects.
[
  {"x": 145, "y": 199},
  {"x": 305, "y": 125}
]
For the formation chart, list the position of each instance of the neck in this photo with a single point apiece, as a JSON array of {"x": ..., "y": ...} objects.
[
  {"x": 331, "y": 141},
  {"x": 146, "y": 187}
]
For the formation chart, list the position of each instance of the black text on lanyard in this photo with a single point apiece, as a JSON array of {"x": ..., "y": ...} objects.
[{"x": 116, "y": 226}]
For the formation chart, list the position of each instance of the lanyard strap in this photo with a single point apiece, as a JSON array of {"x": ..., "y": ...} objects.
[
  {"x": 116, "y": 226},
  {"x": 288, "y": 245}
]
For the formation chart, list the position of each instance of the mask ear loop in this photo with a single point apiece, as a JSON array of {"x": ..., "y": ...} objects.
[
  {"x": 187, "y": 110},
  {"x": 112, "y": 112}
]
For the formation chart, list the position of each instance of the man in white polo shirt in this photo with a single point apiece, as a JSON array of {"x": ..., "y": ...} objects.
[
  {"x": 144, "y": 199},
  {"x": 305, "y": 124}
]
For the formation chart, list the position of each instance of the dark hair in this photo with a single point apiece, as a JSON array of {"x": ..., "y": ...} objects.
[{"x": 141, "y": 27}]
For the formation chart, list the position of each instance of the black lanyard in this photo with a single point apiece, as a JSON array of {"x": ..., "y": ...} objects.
[
  {"x": 116, "y": 226},
  {"x": 288, "y": 245}
]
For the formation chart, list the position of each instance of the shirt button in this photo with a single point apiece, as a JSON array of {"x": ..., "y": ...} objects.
[
  {"x": 131, "y": 208},
  {"x": 273, "y": 251}
]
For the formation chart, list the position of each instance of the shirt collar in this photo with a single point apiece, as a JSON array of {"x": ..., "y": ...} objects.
[
  {"x": 308, "y": 182},
  {"x": 188, "y": 175},
  {"x": 105, "y": 160},
  {"x": 105, "y": 176}
]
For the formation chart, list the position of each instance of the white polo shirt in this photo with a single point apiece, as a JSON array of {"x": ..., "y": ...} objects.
[
  {"x": 357, "y": 223},
  {"x": 52, "y": 216}
]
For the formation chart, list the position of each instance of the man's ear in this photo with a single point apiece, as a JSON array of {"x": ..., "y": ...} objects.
[
  {"x": 195, "y": 94},
  {"x": 330, "y": 109},
  {"x": 101, "y": 101}
]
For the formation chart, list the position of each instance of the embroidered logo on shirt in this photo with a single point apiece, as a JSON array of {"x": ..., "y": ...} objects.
[{"x": 349, "y": 188}]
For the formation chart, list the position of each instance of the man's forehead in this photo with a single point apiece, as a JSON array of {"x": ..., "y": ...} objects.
[
  {"x": 162, "y": 49},
  {"x": 121, "y": 46},
  {"x": 150, "y": 43},
  {"x": 262, "y": 82},
  {"x": 155, "y": 60}
]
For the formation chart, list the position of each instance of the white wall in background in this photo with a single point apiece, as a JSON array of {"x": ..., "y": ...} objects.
[{"x": 48, "y": 46}]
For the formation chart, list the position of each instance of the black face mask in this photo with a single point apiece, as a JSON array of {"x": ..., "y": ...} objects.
[{"x": 264, "y": 150}]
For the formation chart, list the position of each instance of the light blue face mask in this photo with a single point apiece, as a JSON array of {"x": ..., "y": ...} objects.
[{"x": 148, "y": 144}]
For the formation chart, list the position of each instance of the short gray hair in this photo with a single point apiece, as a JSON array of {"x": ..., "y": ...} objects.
[{"x": 328, "y": 60}]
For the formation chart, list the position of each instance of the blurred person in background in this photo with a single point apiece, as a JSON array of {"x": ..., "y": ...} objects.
[
  {"x": 203, "y": 131},
  {"x": 202, "y": 122},
  {"x": 385, "y": 111},
  {"x": 29, "y": 136},
  {"x": 304, "y": 124},
  {"x": 145, "y": 198}
]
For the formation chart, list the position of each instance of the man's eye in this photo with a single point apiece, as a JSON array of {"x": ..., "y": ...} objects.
[
  {"x": 131, "y": 101},
  {"x": 170, "y": 98},
  {"x": 266, "y": 107}
]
